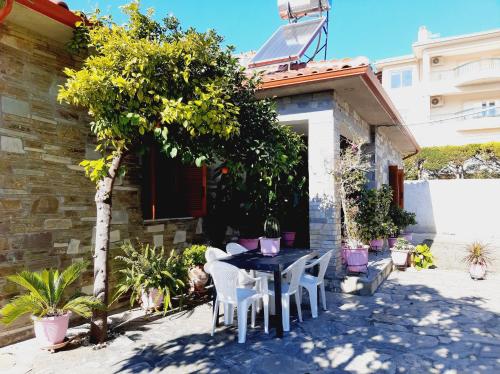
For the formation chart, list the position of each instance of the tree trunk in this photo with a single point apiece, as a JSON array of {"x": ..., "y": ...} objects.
[{"x": 98, "y": 326}]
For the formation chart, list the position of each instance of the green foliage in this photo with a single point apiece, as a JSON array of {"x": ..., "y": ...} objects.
[
  {"x": 478, "y": 254},
  {"x": 147, "y": 267},
  {"x": 272, "y": 228},
  {"x": 403, "y": 245},
  {"x": 45, "y": 297},
  {"x": 422, "y": 257},
  {"x": 194, "y": 255},
  {"x": 144, "y": 80},
  {"x": 350, "y": 176},
  {"x": 373, "y": 218},
  {"x": 450, "y": 162},
  {"x": 401, "y": 219}
]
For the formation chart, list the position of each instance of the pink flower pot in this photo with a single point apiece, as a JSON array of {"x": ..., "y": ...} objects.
[
  {"x": 151, "y": 299},
  {"x": 399, "y": 258},
  {"x": 392, "y": 242},
  {"x": 288, "y": 238},
  {"x": 377, "y": 244},
  {"x": 270, "y": 246},
  {"x": 248, "y": 243},
  {"x": 477, "y": 271},
  {"x": 407, "y": 236},
  {"x": 356, "y": 259},
  {"x": 50, "y": 331}
]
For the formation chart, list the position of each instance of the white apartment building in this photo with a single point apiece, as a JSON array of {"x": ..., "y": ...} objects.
[{"x": 448, "y": 90}]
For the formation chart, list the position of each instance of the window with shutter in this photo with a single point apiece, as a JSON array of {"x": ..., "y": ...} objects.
[{"x": 171, "y": 189}]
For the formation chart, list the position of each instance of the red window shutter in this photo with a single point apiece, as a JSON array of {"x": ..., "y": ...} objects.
[
  {"x": 401, "y": 188},
  {"x": 394, "y": 183},
  {"x": 195, "y": 181}
]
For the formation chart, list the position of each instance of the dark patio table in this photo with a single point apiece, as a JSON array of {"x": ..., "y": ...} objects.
[{"x": 254, "y": 260}]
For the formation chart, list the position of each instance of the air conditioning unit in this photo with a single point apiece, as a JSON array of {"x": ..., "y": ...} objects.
[
  {"x": 436, "y": 61},
  {"x": 437, "y": 101}
]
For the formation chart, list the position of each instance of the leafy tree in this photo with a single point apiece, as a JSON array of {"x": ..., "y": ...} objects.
[{"x": 144, "y": 81}]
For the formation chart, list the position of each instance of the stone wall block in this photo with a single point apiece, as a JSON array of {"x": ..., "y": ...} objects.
[{"x": 12, "y": 145}]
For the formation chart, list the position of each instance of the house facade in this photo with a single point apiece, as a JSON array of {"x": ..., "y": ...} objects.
[
  {"x": 47, "y": 209},
  {"x": 448, "y": 89},
  {"x": 329, "y": 101}
]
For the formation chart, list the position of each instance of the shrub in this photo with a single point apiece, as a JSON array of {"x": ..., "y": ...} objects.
[
  {"x": 401, "y": 219},
  {"x": 194, "y": 256},
  {"x": 373, "y": 218}
]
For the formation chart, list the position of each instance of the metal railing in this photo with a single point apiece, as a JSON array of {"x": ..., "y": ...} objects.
[
  {"x": 485, "y": 65},
  {"x": 472, "y": 113}
]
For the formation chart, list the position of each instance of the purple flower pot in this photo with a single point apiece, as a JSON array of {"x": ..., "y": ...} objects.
[
  {"x": 270, "y": 246},
  {"x": 288, "y": 238},
  {"x": 377, "y": 244},
  {"x": 392, "y": 242},
  {"x": 407, "y": 236},
  {"x": 249, "y": 243},
  {"x": 356, "y": 259}
]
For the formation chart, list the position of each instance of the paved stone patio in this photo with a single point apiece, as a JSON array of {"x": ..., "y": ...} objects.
[{"x": 429, "y": 321}]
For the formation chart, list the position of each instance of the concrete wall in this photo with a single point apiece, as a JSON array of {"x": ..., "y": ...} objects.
[
  {"x": 454, "y": 213},
  {"x": 47, "y": 210}
]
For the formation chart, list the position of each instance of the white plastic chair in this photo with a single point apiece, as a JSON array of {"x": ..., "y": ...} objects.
[
  {"x": 226, "y": 278},
  {"x": 311, "y": 282},
  {"x": 235, "y": 249},
  {"x": 212, "y": 254},
  {"x": 293, "y": 273}
]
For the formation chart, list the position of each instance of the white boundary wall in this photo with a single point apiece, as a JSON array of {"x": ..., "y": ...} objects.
[{"x": 454, "y": 213}]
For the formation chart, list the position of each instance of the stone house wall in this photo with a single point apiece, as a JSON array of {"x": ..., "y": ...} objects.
[
  {"x": 47, "y": 210},
  {"x": 327, "y": 116}
]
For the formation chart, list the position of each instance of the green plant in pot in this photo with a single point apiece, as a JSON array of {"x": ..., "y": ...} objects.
[
  {"x": 373, "y": 218},
  {"x": 150, "y": 276},
  {"x": 194, "y": 259},
  {"x": 270, "y": 243},
  {"x": 401, "y": 219},
  {"x": 478, "y": 257},
  {"x": 422, "y": 257},
  {"x": 47, "y": 302},
  {"x": 401, "y": 251}
]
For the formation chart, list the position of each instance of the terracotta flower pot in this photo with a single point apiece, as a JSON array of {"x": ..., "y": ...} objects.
[
  {"x": 392, "y": 242},
  {"x": 288, "y": 238},
  {"x": 477, "y": 271},
  {"x": 249, "y": 243},
  {"x": 50, "y": 331},
  {"x": 270, "y": 246},
  {"x": 356, "y": 259},
  {"x": 151, "y": 299},
  {"x": 377, "y": 244},
  {"x": 198, "y": 279},
  {"x": 399, "y": 257}
]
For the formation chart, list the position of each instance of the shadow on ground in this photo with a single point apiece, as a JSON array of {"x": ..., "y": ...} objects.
[{"x": 402, "y": 328}]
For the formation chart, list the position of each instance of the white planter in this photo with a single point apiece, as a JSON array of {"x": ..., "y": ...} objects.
[
  {"x": 477, "y": 271},
  {"x": 151, "y": 299},
  {"x": 50, "y": 331},
  {"x": 399, "y": 257}
]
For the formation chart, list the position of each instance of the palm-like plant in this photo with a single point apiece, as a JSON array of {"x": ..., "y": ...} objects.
[
  {"x": 45, "y": 297},
  {"x": 478, "y": 254}
]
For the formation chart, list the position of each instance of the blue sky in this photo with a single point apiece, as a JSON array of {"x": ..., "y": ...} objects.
[{"x": 373, "y": 28}]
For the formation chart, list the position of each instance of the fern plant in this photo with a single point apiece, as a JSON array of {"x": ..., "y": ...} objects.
[
  {"x": 147, "y": 267},
  {"x": 46, "y": 298}
]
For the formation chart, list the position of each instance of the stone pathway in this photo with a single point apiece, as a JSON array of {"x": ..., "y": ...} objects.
[{"x": 430, "y": 321}]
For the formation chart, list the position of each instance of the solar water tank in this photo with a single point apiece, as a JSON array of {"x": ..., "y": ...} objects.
[{"x": 297, "y": 8}]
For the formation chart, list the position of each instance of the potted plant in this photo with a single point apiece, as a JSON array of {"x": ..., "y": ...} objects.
[
  {"x": 288, "y": 235},
  {"x": 350, "y": 177},
  {"x": 270, "y": 243},
  {"x": 150, "y": 276},
  {"x": 250, "y": 231},
  {"x": 50, "y": 309},
  {"x": 478, "y": 258},
  {"x": 422, "y": 257},
  {"x": 400, "y": 252},
  {"x": 194, "y": 259},
  {"x": 373, "y": 217},
  {"x": 401, "y": 219}
]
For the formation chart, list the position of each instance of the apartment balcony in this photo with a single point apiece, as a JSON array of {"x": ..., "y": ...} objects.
[
  {"x": 470, "y": 120},
  {"x": 481, "y": 71}
]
